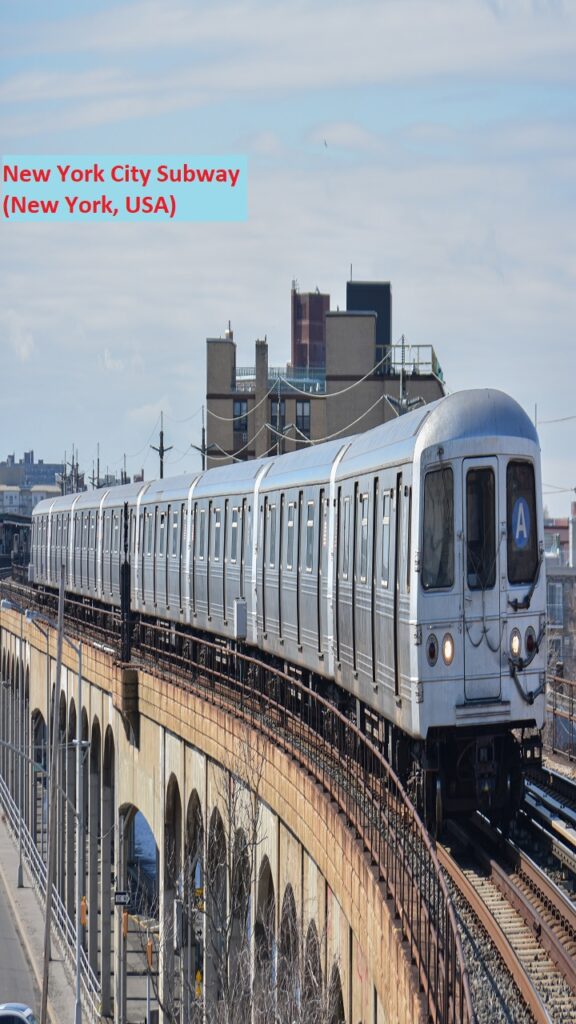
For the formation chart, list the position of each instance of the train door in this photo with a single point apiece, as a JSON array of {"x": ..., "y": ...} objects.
[{"x": 481, "y": 567}]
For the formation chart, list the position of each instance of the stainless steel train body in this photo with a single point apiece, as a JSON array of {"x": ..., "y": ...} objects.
[{"x": 402, "y": 566}]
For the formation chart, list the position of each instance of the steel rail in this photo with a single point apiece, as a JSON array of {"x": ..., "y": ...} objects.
[{"x": 497, "y": 936}]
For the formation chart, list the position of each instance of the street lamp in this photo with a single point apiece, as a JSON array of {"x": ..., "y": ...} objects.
[
  {"x": 33, "y": 617},
  {"x": 12, "y": 606}
]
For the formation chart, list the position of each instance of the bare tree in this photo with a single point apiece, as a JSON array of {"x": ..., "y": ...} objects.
[{"x": 232, "y": 962}]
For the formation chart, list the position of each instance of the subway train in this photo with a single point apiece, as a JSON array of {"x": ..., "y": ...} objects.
[{"x": 399, "y": 572}]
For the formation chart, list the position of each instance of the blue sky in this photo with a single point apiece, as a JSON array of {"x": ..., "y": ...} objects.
[{"x": 449, "y": 170}]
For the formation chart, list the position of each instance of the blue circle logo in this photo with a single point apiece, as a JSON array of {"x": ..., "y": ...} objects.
[{"x": 521, "y": 523}]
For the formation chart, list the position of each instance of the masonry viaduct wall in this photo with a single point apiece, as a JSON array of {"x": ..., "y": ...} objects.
[{"x": 190, "y": 745}]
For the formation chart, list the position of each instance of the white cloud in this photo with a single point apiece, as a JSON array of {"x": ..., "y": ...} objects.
[
  {"x": 18, "y": 334},
  {"x": 111, "y": 364}
]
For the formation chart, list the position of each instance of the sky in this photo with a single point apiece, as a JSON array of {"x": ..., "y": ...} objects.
[{"x": 429, "y": 143}]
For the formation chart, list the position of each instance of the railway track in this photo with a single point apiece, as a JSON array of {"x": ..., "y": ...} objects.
[{"x": 529, "y": 921}]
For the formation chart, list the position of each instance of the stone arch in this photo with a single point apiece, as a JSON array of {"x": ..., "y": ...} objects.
[
  {"x": 71, "y": 824},
  {"x": 94, "y": 833},
  {"x": 265, "y": 943},
  {"x": 170, "y": 922},
  {"x": 61, "y": 802},
  {"x": 39, "y": 795},
  {"x": 136, "y": 854},
  {"x": 216, "y": 902},
  {"x": 107, "y": 855},
  {"x": 288, "y": 973},
  {"x": 312, "y": 991},
  {"x": 193, "y": 878},
  {"x": 336, "y": 1013},
  {"x": 27, "y": 747},
  {"x": 239, "y": 958}
]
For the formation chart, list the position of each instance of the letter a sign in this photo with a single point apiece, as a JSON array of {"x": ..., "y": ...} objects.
[{"x": 521, "y": 523}]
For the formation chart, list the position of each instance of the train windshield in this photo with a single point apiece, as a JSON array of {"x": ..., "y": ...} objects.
[
  {"x": 521, "y": 518},
  {"x": 438, "y": 531},
  {"x": 480, "y": 529}
]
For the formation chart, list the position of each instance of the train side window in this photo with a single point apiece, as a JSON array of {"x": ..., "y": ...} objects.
[
  {"x": 290, "y": 535},
  {"x": 346, "y": 540},
  {"x": 162, "y": 534},
  {"x": 217, "y": 527},
  {"x": 234, "y": 535},
  {"x": 201, "y": 533},
  {"x": 149, "y": 532},
  {"x": 310, "y": 537},
  {"x": 116, "y": 545},
  {"x": 174, "y": 532},
  {"x": 272, "y": 536},
  {"x": 438, "y": 530},
  {"x": 385, "y": 539},
  {"x": 480, "y": 529},
  {"x": 92, "y": 531},
  {"x": 363, "y": 537}
]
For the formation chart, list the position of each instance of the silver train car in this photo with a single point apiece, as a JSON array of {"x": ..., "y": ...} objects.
[{"x": 400, "y": 571}]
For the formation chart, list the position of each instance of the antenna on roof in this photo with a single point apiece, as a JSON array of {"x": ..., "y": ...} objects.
[{"x": 350, "y": 271}]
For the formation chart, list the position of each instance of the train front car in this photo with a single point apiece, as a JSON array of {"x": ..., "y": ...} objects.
[{"x": 480, "y": 605}]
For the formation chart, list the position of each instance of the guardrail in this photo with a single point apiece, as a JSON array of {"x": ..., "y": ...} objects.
[
  {"x": 64, "y": 927},
  {"x": 561, "y": 716}
]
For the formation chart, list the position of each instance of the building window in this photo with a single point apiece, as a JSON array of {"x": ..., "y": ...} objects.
[
  {"x": 240, "y": 415},
  {"x": 278, "y": 413},
  {"x": 303, "y": 417},
  {"x": 555, "y": 603}
]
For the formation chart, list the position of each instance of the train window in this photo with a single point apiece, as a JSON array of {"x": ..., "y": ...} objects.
[
  {"x": 149, "y": 532},
  {"x": 217, "y": 524},
  {"x": 116, "y": 543},
  {"x": 162, "y": 534},
  {"x": 346, "y": 539},
  {"x": 480, "y": 529},
  {"x": 385, "y": 539},
  {"x": 272, "y": 536},
  {"x": 290, "y": 535},
  {"x": 310, "y": 537},
  {"x": 438, "y": 530},
  {"x": 234, "y": 537},
  {"x": 521, "y": 516},
  {"x": 174, "y": 532},
  {"x": 201, "y": 533},
  {"x": 92, "y": 531},
  {"x": 363, "y": 537}
]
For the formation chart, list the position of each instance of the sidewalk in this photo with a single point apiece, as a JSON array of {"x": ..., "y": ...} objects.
[{"x": 29, "y": 916}]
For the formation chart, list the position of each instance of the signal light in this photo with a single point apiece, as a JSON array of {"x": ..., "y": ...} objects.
[{"x": 530, "y": 641}]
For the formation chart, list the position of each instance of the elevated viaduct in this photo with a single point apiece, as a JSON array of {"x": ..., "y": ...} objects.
[{"x": 256, "y": 856}]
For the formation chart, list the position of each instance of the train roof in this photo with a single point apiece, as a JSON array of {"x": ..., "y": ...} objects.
[{"x": 464, "y": 414}]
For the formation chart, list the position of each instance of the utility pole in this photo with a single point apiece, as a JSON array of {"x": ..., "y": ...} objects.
[
  {"x": 203, "y": 442},
  {"x": 161, "y": 449}
]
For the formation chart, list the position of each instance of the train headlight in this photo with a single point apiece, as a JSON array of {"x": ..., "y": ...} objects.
[
  {"x": 432, "y": 649},
  {"x": 447, "y": 649},
  {"x": 515, "y": 643},
  {"x": 530, "y": 640}
]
